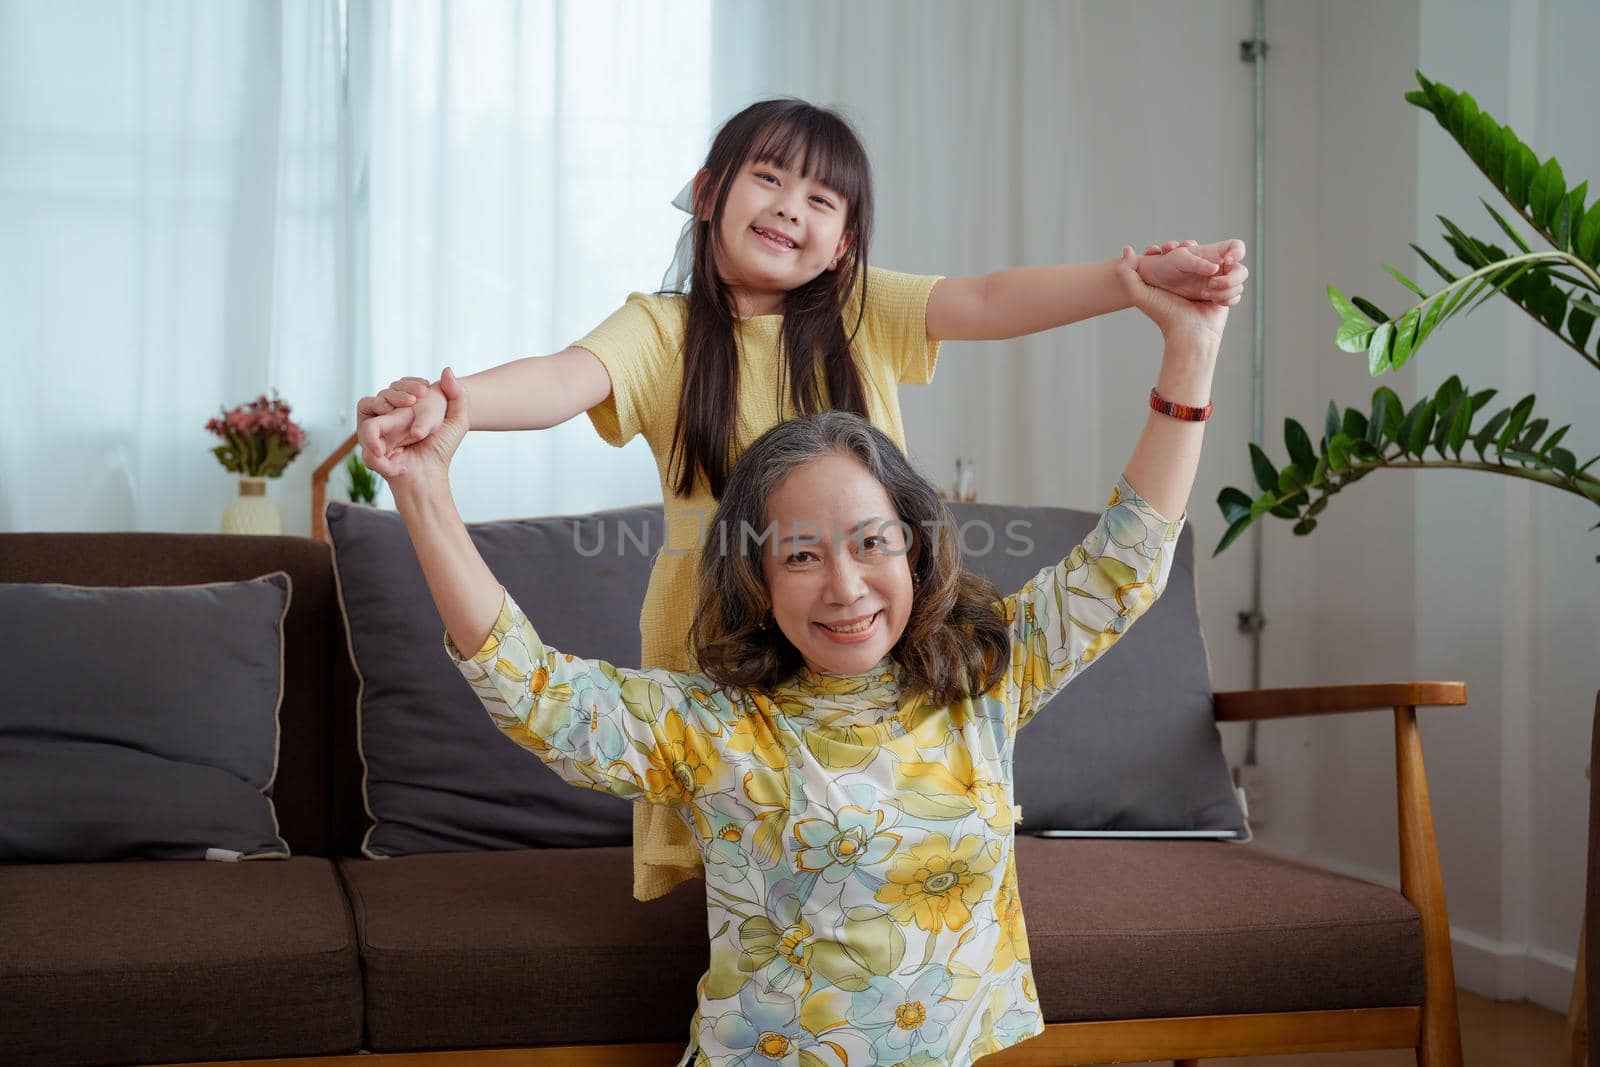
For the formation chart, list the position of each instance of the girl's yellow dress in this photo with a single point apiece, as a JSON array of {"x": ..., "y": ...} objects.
[{"x": 861, "y": 894}]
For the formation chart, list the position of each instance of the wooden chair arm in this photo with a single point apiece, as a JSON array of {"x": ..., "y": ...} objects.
[
  {"x": 1421, "y": 881},
  {"x": 1246, "y": 704},
  {"x": 319, "y": 487}
]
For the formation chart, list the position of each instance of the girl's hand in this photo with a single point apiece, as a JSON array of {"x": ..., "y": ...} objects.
[
  {"x": 403, "y": 414},
  {"x": 1213, "y": 272},
  {"x": 1177, "y": 316},
  {"x": 406, "y": 455}
]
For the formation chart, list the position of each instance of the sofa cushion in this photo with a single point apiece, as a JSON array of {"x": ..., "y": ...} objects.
[
  {"x": 535, "y": 947},
  {"x": 1118, "y": 929},
  {"x": 1146, "y": 929},
  {"x": 439, "y": 777},
  {"x": 140, "y": 721},
  {"x": 140, "y": 962},
  {"x": 319, "y": 686},
  {"x": 1131, "y": 745}
]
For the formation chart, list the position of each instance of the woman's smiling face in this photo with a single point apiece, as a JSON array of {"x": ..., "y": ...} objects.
[
  {"x": 837, "y": 565},
  {"x": 778, "y": 231}
]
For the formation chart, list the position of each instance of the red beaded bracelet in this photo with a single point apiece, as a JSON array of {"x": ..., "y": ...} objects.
[{"x": 1186, "y": 412}]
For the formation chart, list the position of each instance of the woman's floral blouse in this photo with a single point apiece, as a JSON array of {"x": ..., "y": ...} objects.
[{"x": 860, "y": 887}]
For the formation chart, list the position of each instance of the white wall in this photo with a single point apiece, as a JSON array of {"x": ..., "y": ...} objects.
[{"x": 1451, "y": 575}]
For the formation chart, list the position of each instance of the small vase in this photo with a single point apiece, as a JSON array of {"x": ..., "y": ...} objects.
[{"x": 252, "y": 511}]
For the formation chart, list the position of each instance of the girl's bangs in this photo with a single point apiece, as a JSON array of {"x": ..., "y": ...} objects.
[{"x": 818, "y": 148}]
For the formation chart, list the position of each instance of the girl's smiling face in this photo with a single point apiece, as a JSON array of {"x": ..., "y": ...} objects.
[
  {"x": 837, "y": 566},
  {"x": 779, "y": 230}
]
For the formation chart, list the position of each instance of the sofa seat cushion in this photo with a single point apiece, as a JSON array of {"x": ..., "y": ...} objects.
[
  {"x": 548, "y": 946},
  {"x": 530, "y": 947},
  {"x": 1144, "y": 929},
  {"x": 146, "y": 961}
]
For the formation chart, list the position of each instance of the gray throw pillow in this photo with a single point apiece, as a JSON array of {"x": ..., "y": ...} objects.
[
  {"x": 1129, "y": 747},
  {"x": 438, "y": 776},
  {"x": 140, "y": 722}
]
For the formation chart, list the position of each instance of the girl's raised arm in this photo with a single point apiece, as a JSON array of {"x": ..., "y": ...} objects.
[{"x": 534, "y": 393}]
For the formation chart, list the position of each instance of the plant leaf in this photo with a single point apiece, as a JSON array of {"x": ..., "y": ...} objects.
[
  {"x": 1521, "y": 166},
  {"x": 1343, "y": 306},
  {"x": 1487, "y": 433},
  {"x": 1438, "y": 268},
  {"x": 1421, "y": 429},
  {"x": 1530, "y": 436},
  {"x": 1442, "y": 429},
  {"x": 1587, "y": 244},
  {"x": 1372, "y": 311},
  {"x": 1266, "y": 474},
  {"x": 1581, "y": 320},
  {"x": 1232, "y": 535},
  {"x": 1338, "y": 452},
  {"x": 1553, "y": 440},
  {"x": 1460, "y": 425},
  {"x": 1235, "y": 504},
  {"x": 1404, "y": 338},
  {"x": 1519, "y": 418},
  {"x": 1545, "y": 194},
  {"x": 1378, "y": 349},
  {"x": 1407, "y": 282},
  {"x": 1298, "y": 442}
]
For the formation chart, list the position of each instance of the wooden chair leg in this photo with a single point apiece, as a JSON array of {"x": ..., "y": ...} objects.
[
  {"x": 1578, "y": 1014},
  {"x": 1422, "y": 883}
]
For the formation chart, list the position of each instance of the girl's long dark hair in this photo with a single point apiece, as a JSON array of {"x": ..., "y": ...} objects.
[
  {"x": 956, "y": 642},
  {"x": 817, "y": 365}
]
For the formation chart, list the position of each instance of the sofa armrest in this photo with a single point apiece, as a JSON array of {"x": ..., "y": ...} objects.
[{"x": 1246, "y": 704}]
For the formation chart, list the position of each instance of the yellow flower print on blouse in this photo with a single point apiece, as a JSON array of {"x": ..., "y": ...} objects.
[
  {"x": 683, "y": 763},
  {"x": 936, "y": 884},
  {"x": 954, "y": 787}
]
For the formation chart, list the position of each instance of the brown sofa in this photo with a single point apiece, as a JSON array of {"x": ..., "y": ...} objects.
[{"x": 1143, "y": 950}]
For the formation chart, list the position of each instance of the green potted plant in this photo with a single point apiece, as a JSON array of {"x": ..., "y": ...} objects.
[
  {"x": 363, "y": 483},
  {"x": 1559, "y": 286}
]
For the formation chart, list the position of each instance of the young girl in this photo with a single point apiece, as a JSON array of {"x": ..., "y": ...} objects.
[
  {"x": 844, "y": 757},
  {"x": 782, "y": 317}
]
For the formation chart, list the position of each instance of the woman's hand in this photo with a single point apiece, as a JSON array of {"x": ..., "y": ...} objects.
[
  {"x": 408, "y": 458},
  {"x": 403, "y": 414},
  {"x": 1177, "y": 317}
]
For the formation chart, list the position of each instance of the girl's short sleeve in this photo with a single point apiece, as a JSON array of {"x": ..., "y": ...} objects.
[
  {"x": 638, "y": 344},
  {"x": 895, "y": 328}
]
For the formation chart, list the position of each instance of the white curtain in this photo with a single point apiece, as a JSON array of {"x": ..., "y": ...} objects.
[
  {"x": 170, "y": 211},
  {"x": 200, "y": 202},
  {"x": 521, "y": 163}
]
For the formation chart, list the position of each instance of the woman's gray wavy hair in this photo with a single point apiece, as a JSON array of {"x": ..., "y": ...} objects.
[{"x": 956, "y": 643}]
